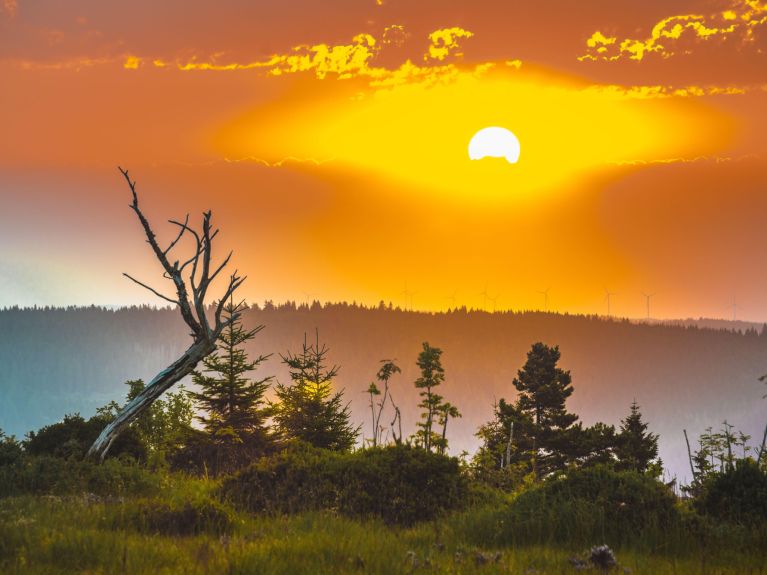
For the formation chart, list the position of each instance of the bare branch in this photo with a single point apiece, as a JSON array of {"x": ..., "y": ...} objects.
[
  {"x": 151, "y": 289},
  {"x": 184, "y": 227},
  {"x": 175, "y": 275},
  {"x": 222, "y": 266}
]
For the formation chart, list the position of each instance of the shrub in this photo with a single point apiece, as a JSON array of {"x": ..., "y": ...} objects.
[
  {"x": 586, "y": 505},
  {"x": 47, "y": 475},
  {"x": 10, "y": 449},
  {"x": 191, "y": 517},
  {"x": 737, "y": 495},
  {"x": 73, "y": 436},
  {"x": 400, "y": 484}
]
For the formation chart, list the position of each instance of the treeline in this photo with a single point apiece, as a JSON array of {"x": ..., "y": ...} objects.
[
  {"x": 54, "y": 361},
  {"x": 300, "y": 451}
]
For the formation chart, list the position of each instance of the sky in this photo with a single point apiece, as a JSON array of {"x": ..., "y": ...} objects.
[{"x": 330, "y": 140}]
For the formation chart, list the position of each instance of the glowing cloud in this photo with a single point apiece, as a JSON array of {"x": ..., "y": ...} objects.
[
  {"x": 444, "y": 42},
  {"x": 666, "y": 36},
  {"x": 347, "y": 61},
  {"x": 132, "y": 63}
]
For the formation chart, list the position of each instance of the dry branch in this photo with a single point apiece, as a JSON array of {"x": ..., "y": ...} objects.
[{"x": 193, "y": 310}]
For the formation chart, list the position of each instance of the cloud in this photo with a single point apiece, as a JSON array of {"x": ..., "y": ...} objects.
[
  {"x": 680, "y": 34},
  {"x": 657, "y": 91},
  {"x": 444, "y": 43},
  {"x": 346, "y": 61},
  {"x": 132, "y": 63}
]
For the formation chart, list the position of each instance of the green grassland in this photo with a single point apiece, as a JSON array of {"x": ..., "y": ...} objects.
[{"x": 179, "y": 527}]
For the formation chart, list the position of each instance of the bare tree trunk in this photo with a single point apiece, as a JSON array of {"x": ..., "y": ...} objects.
[
  {"x": 689, "y": 455},
  {"x": 196, "y": 282},
  {"x": 179, "y": 369}
]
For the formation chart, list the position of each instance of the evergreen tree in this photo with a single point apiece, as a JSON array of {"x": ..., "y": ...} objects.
[
  {"x": 543, "y": 389},
  {"x": 637, "y": 448},
  {"x": 234, "y": 410},
  {"x": 307, "y": 409},
  {"x": 432, "y": 375}
]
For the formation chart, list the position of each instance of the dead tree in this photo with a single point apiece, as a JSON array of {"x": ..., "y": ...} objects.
[{"x": 194, "y": 276}]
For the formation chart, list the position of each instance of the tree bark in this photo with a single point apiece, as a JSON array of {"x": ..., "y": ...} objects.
[{"x": 164, "y": 380}]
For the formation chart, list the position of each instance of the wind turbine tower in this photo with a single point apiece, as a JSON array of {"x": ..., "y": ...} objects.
[
  {"x": 545, "y": 294},
  {"x": 485, "y": 297},
  {"x": 648, "y": 296}
]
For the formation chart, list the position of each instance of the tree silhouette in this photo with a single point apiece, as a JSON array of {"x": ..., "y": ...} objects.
[
  {"x": 543, "y": 389},
  {"x": 192, "y": 274},
  {"x": 432, "y": 375},
  {"x": 307, "y": 409},
  {"x": 637, "y": 448},
  {"x": 234, "y": 411}
]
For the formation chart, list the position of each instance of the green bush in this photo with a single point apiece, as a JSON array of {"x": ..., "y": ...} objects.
[
  {"x": 48, "y": 475},
  {"x": 736, "y": 495},
  {"x": 400, "y": 484},
  {"x": 73, "y": 436},
  {"x": 587, "y": 505},
  {"x": 10, "y": 449},
  {"x": 191, "y": 517}
]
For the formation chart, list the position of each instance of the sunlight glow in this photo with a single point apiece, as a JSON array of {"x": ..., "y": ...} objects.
[{"x": 415, "y": 135}]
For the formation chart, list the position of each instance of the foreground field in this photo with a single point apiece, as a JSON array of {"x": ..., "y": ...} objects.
[{"x": 49, "y": 535}]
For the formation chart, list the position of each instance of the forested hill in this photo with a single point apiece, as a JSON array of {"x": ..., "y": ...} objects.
[{"x": 57, "y": 361}]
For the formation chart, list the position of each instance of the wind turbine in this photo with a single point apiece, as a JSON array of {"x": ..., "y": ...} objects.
[
  {"x": 608, "y": 295},
  {"x": 494, "y": 299},
  {"x": 485, "y": 296},
  {"x": 545, "y": 294},
  {"x": 408, "y": 295},
  {"x": 452, "y": 299},
  {"x": 734, "y": 307},
  {"x": 648, "y": 296}
]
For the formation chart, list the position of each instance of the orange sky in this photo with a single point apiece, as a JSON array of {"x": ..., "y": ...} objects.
[{"x": 330, "y": 141}]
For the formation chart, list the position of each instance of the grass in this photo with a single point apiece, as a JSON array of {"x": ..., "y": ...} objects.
[{"x": 89, "y": 535}]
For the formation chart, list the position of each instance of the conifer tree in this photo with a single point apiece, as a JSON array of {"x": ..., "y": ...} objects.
[
  {"x": 307, "y": 409},
  {"x": 637, "y": 448},
  {"x": 432, "y": 375},
  {"x": 543, "y": 389},
  {"x": 234, "y": 410}
]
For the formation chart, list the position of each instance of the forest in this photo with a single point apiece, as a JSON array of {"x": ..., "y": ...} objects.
[
  {"x": 223, "y": 479},
  {"x": 57, "y": 361}
]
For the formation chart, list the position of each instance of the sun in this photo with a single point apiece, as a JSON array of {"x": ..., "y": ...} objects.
[{"x": 494, "y": 142}]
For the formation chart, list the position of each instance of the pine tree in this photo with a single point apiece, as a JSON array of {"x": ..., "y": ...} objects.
[
  {"x": 432, "y": 375},
  {"x": 543, "y": 389},
  {"x": 636, "y": 448},
  {"x": 307, "y": 409},
  {"x": 234, "y": 410}
]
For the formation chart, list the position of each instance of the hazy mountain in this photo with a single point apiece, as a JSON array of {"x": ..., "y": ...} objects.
[{"x": 57, "y": 361}]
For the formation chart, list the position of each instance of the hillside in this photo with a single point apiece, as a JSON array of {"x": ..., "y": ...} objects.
[{"x": 57, "y": 361}]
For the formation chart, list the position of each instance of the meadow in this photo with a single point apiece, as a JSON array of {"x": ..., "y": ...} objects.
[{"x": 142, "y": 522}]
